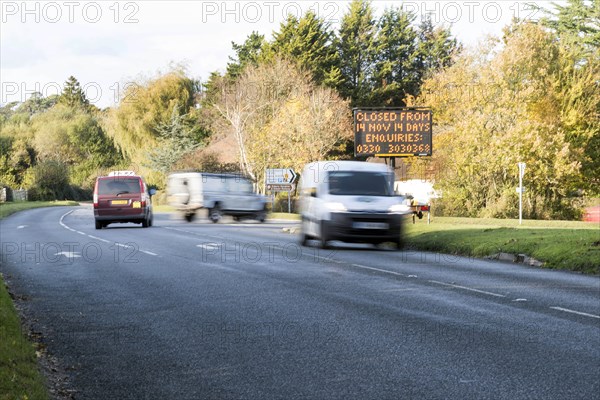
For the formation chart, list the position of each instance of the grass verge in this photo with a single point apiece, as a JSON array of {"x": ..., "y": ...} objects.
[
  {"x": 286, "y": 216},
  {"x": 7, "y": 209},
  {"x": 20, "y": 377},
  {"x": 569, "y": 245}
]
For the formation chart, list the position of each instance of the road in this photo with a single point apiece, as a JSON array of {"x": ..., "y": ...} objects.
[{"x": 240, "y": 311}]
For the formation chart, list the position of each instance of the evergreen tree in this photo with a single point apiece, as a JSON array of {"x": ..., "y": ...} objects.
[
  {"x": 312, "y": 44},
  {"x": 578, "y": 22},
  {"x": 248, "y": 52},
  {"x": 396, "y": 72},
  {"x": 72, "y": 94},
  {"x": 436, "y": 46},
  {"x": 357, "y": 51}
]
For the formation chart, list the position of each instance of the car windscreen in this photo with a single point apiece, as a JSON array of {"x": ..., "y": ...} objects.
[
  {"x": 359, "y": 183},
  {"x": 120, "y": 185}
]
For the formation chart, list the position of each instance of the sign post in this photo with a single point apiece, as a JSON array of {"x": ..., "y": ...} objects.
[
  {"x": 281, "y": 180},
  {"x": 520, "y": 190}
]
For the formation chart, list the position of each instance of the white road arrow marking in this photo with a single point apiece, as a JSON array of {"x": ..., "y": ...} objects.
[{"x": 68, "y": 254}]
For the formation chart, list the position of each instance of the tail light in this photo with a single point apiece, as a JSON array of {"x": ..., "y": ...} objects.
[
  {"x": 96, "y": 195},
  {"x": 142, "y": 194}
]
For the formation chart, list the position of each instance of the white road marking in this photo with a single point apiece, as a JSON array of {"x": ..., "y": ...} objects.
[
  {"x": 63, "y": 224},
  {"x": 468, "y": 288},
  {"x": 208, "y": 246},
  {"x": 22, "y": 226},
  {"x": 520, "y": 300},
  {"x": 194, "y": 233},
  {"x": 68, "y": 254},
  {"x": 378, "y": 270},
  {"x": 575, "y": 312},
  {"x": 97, "y": 238}
]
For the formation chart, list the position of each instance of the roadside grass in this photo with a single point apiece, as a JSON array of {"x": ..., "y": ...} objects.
[
  {"x": 569, "y": 245},
  {"x": 163, "y": 208},
  {"x": 7, "y": 209},
  {"x": 287, "y": 216},
  {"x": 20, "y": 377}
]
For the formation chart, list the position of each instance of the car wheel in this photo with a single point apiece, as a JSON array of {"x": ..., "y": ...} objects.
[
  {"x": 324, "y": 239},
  {"x": 189, "y": 217},
  {"x": 215, "y": 214},
  {"x": 304, "y": 238},
  {"x": 236, "y": 218},
  {"x": 99, "y": 225},
  {"x": 145, "y": 223}
]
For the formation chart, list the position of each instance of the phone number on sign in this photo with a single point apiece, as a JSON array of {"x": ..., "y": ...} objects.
[{"x": 393, "y": 148}]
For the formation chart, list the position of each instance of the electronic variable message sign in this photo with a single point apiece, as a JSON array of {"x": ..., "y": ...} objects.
[{"x": 387, "y": 132}]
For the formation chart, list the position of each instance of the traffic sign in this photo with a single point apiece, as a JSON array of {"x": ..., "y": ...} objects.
[
  {"x": 280, "y": 176},
  {"x": 281, "y": 187}
]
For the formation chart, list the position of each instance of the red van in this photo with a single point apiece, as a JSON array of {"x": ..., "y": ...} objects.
[{"x": 122, "y": 196}]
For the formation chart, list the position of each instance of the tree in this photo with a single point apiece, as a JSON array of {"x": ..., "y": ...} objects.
[
  {"x": 357, "y": 51},
  {"x": 395, "y": 73},
  {"x": 310, "y": 42},
  {"x": 75, "y": 138},
  {"x": 436, "y": 47},
  {"x": 280, "y": 117},
  {"x": 146, "y": 106},
  {"x": 577, "y": 23},
  {"x": 522, "y": 103},
  {"x": 72, "y": 94},
  {"x": 178, "y": 137},
  {"x": 248, "y": 52}
]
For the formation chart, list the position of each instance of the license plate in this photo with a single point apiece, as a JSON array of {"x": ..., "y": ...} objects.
[
  {"x": 119, "y": 202},
  {"x": 370, "y": 225},
  {"x": 137, "y": 204}
]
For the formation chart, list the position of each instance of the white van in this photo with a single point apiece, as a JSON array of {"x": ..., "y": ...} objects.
[
  {"x": 220, "y": 194},
  {"x": 350, "y": 201}
]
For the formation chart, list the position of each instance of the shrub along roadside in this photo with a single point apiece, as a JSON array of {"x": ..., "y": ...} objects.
[
  {"x": 20, "y": 377},
  {"x": 565, "y": 245}
]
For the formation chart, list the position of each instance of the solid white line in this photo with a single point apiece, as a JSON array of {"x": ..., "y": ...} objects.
[
  {"x": 575, "y": 312},
  {"x": 378, "y": 270},
  {"x": 468, "y": 288},
  {"x": 149, "y": 252},
  {"x": 60, "y": 221},
  {"x": 122, "y": 245}
]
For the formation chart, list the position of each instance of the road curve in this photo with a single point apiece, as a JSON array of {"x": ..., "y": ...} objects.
[{"x": 241, "y": 311}]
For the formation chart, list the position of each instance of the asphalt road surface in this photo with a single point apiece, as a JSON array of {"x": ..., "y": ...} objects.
[{"x": 241, "y": 311}]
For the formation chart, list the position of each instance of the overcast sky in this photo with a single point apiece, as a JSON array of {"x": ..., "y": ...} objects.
[{"x": 106, "y": 44}]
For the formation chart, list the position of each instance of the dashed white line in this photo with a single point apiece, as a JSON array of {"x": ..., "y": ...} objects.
[
  {"x": 468, "y": 288},
  {"x": 378, "y": 270},
  {"x": 81, "y": 233},
  {"x": 97, "y": 238},
  {"x": 576, "y": 312},
  {"x": 148, "y": 252}
]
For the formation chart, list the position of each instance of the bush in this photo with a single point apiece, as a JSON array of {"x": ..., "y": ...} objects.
[{"x": 51, "y": 182}]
